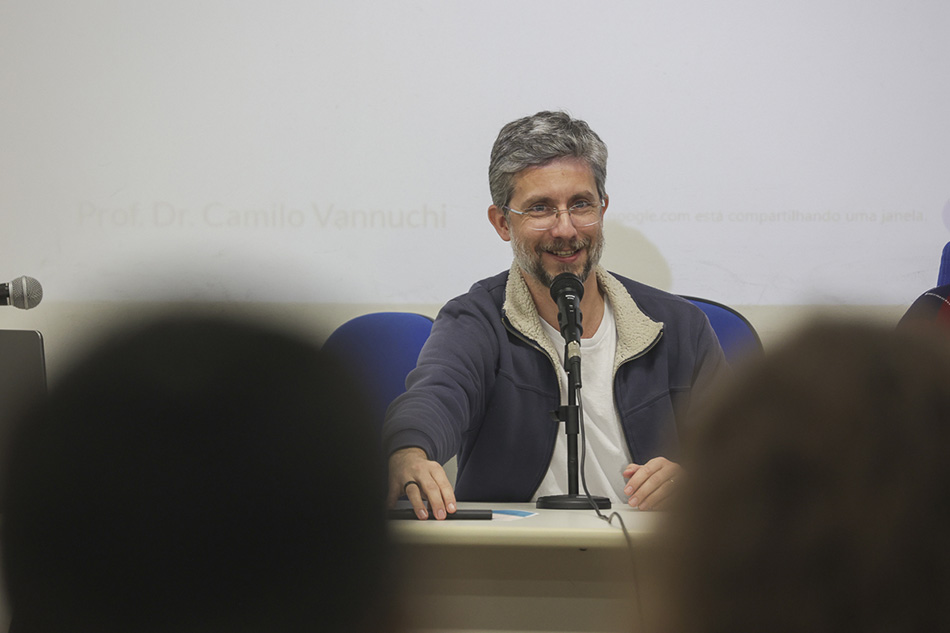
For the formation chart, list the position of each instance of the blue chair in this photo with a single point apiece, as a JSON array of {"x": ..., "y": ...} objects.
[
  {"x": 380, "y": 349},
  {"x": 736, "y": 335},
  {"x": 943, "y": 277}
]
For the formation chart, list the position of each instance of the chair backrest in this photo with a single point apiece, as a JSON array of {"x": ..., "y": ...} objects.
[
  {"x": 380, "y": 349},
  {"x": 943, "y": 276},
  {"x": 736, "y": 335}
]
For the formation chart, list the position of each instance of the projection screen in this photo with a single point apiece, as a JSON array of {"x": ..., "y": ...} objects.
[{"x": 761, "y": 153}]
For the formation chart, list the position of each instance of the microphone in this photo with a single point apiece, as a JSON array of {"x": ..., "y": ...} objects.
[
  {"x": 567, "y": 290},
  {"x": 23, "y": 292}
]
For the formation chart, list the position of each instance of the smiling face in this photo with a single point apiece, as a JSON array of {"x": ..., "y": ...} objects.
[{"x": 543, "y": 255}]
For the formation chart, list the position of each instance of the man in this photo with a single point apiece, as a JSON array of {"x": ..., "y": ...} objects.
[{"x": 490, "y": 374}]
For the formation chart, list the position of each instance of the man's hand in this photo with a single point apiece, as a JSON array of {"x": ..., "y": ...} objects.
[
  {"x": 411, "y": 473},
  {"x": 649, "y": 484}
]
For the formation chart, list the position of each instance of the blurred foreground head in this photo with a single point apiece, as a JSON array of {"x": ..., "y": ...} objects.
[
  {"x": 197, "y": 475},
  {"x": 818, "y": 490}
]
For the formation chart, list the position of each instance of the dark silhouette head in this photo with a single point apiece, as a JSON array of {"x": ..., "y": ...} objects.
[
  {"x": 818, "y": 490},
  {"x": 197, "y": 474}
]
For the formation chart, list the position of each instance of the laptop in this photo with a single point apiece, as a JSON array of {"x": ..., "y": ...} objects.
[{"x": 22, "y": 377}]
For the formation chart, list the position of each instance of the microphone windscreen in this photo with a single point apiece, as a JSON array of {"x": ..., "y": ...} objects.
[
  {"x": 25, "y": 292},
  {"x": 567, "y": 282}
]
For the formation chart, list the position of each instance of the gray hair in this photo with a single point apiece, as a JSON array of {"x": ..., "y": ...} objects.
[{"x": 538, "y": 139}]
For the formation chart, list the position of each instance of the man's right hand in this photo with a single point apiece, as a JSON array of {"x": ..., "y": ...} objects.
[{"x": 411, "y": 473}]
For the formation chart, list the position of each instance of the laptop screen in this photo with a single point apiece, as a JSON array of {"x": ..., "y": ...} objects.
[{"x": 22, "y": 376}]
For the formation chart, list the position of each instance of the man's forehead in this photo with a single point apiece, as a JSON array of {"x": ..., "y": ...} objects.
[{"x": 557, "y": 171}]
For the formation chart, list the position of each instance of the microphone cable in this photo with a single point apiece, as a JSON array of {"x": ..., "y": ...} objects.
[{"x": 634, "y": 567}]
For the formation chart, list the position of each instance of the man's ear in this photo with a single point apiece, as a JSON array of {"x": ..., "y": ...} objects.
[{"x": 498, "y": 220}]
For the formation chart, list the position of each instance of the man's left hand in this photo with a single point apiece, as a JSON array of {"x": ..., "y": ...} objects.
[{"x": 648, "y": 485}]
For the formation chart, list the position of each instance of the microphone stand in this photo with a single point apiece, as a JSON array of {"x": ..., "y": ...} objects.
[{"x": 570, "y": 415}]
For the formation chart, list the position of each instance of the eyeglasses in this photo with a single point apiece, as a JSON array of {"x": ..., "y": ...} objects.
[{"x": 542, "y": 217}]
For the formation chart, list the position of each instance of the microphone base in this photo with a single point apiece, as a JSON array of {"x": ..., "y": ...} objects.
[{"x": 572, "y": 502}]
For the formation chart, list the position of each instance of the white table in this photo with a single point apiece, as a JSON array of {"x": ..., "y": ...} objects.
[{"x": 559, "y": 570}]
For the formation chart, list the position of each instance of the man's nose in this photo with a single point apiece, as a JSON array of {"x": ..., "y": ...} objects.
[{"x": 564, "y": 225}]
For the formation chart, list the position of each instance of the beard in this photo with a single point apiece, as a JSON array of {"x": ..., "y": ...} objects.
[{"x": 530, "y": 260}]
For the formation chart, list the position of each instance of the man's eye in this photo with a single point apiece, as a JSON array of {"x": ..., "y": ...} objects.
[
  {"x": 538, "y": 209},
  {"x": 581, "y": 205}
]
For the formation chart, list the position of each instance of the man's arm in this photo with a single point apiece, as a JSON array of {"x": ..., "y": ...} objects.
[{"x": 444, "y": 394}]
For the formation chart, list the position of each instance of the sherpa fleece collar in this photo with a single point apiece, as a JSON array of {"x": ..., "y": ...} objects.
[{"x": 636, "y": 332}]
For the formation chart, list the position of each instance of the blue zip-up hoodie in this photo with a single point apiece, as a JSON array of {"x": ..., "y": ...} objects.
[{"x": 486, "y": 383}]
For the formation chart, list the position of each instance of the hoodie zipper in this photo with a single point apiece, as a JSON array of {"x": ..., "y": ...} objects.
[
  {"x": 641, "y": 354},
  {"x": 536, "y": 346}
]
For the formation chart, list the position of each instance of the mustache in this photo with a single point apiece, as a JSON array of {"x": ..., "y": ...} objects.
[{"x": 559, "y": 244}]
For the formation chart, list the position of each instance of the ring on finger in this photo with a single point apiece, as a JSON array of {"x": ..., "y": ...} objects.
[{"x": 411, "y": 482}]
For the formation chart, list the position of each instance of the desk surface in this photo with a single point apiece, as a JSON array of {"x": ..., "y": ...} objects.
[
  {"x": 545, "y": 528},
  {"x": 557, "y": 570}
]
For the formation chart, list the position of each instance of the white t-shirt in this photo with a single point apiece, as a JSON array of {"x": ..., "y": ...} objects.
[{"x": 607, "y": 453}]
